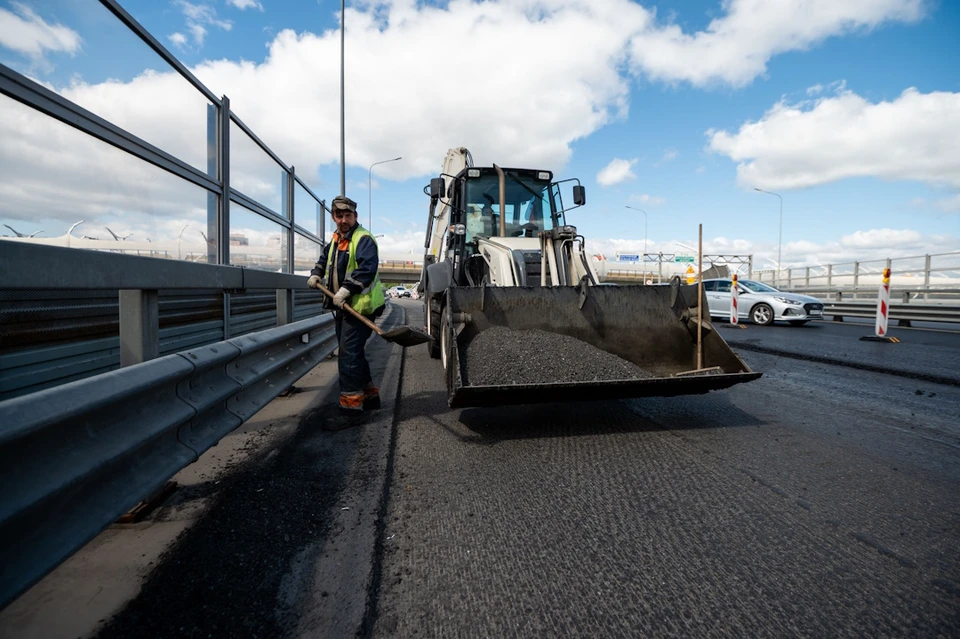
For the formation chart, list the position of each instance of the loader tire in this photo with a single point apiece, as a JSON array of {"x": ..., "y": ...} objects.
[{"x": 433, "y": 327}]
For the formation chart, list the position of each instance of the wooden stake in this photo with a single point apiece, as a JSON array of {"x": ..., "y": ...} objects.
[{"x": 700, "y": 303}]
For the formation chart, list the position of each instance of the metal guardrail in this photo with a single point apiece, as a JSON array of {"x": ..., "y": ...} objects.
[
  {"x": 236, "y": 300},
  {"x": 82, "y": 454},
  {"x": 903, "y": 314}
]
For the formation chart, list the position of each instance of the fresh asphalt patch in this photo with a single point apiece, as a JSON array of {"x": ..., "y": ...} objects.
[{"x": 267, "y": 557}]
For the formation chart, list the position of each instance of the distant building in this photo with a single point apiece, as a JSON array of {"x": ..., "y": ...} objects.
[{"x": 239, "y": 239}]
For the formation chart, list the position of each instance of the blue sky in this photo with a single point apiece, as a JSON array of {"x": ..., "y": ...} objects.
[{"x": 850, "y": 109}]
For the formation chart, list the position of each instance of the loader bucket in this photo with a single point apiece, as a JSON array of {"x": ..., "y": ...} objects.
[{"x": 568, "y": 343}]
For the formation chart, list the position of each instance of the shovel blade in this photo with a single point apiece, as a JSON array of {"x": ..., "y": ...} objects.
[{"x": 406, "y": 336}]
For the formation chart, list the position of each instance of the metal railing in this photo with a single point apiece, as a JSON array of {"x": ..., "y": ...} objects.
[
  {"x": 922, "y": 273},
  {"x": 903, "y": 314},
  {"x": 216, "y": 180}
]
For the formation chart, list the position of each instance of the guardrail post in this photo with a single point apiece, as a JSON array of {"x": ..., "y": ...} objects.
[
  {"x": 926, "y": 277},
  {"x": 750, "y": 267},
  {"x": 839, "y": 298},
  {"x": 286, "y": 205},
  {"x": 789, "y": 278},
  {"x": 906, "y": 300},
  {"x": 223, "y": 166},
  {"x": 227, "y": 334},
  {"x": 856, "y": 277},
  {"x": 213, "y": 159},
  {"x": 284, "y": 306},
  {"x": 139, "y": 326},
  {"x": 807, "y": 280},
  {"x": 321, "y": 218},
  {"x": 829, "y": 275}
]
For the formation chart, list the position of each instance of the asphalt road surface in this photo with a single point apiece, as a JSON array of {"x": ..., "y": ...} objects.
[{"x": 820, "y": 500}]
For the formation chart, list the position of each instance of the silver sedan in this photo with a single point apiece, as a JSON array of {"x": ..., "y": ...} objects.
[{"x": 761, "y": 303}]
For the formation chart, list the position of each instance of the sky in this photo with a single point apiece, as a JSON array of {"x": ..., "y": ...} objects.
[{"x": 849, "y": 110}]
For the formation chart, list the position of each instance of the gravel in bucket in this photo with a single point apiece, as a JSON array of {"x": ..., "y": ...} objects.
[{"x": 500, "y": 356}]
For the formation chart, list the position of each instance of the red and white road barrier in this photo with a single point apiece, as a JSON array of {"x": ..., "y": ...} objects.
[
  {"x": 734, "y": 302},
  {"x": 883, "y": 305}
]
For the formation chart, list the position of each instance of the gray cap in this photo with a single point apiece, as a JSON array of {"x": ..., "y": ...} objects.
[{"x": 342, "y": 202}]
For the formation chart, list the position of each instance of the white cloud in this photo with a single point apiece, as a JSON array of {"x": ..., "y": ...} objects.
[
  {"x": 670, "y": 155},
  {"x": 199, "y": 17},
  {"x": 178, "y": 39},
  {"x": 386, "y": 53},
  {"x": 388, "y": 46},
  {"x": 880, "y": 238},
  {"x": 616, "y": 172},
  {"x": 735, "y": 48},
  {"x": 245, "y": 4},
  {"x": 914, "y": 137},
  {"x": 649, "y": 200},
  {"x": 199, "y": 32},
  {"x": 22, "y": 30},
  {"x": 834, "y": 87}
]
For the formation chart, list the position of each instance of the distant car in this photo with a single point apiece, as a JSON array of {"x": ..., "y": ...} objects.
[
  {"x": 761, "y": 303},
  {"x": 398, "y": 291}
]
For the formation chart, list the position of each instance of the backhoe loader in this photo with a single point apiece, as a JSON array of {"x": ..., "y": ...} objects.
[{"x": 500, "y": 254}]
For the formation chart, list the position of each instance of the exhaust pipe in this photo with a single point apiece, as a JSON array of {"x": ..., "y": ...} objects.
[{"x": 503, "y": 197}]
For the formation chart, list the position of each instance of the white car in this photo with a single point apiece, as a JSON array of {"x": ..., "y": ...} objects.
[
  {"x": 398, "y": 291},
  {"x": 761, "y": 303}
]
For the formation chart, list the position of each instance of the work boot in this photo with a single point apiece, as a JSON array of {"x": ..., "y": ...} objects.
[{"x": 371, "y": 397}]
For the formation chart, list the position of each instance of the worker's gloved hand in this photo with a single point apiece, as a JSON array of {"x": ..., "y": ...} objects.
[
  {"x": 342, "y": 296},
  {"x": 313, "y": 281}
]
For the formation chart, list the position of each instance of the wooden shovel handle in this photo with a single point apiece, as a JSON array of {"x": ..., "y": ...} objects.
[{"x": 349, "y": 309}]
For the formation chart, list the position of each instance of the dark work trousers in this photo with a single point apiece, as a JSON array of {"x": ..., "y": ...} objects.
[{"x": 352, "y": 335}]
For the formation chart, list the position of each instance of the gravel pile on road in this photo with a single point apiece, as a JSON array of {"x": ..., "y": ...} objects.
[{"x": 501, "y": 355}]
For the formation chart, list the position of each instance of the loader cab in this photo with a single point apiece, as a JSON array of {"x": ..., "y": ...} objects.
[{"x": 529, "y": 208}]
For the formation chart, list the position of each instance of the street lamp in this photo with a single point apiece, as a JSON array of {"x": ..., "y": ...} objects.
[
  {"x": 644, "y": 226},
  {"x": 780, "y": 239},
  {"x": 370, "y": 191},
  {"x": 343, "y": 154}
]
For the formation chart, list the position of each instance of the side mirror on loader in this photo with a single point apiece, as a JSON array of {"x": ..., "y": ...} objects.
[
  {"x": 436, "y": 188},
  {"x": 579, "y": 195}
]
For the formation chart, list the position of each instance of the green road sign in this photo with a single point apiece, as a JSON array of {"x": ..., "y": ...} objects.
[{"x": 683, "y": 258}]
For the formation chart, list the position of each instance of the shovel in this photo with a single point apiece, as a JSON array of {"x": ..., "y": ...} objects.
[{"x": 403, "y": 335}]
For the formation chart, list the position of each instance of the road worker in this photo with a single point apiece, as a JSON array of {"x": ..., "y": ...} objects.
[{"x": 348, "y": 266}]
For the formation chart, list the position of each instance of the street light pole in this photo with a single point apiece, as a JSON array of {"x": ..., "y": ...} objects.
[
  {"x": 343, "y": 154},
  {"x": 644, "y": 226},
  {"x": 370, "y": 191},
  {"x": 780, "y": 238}
]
